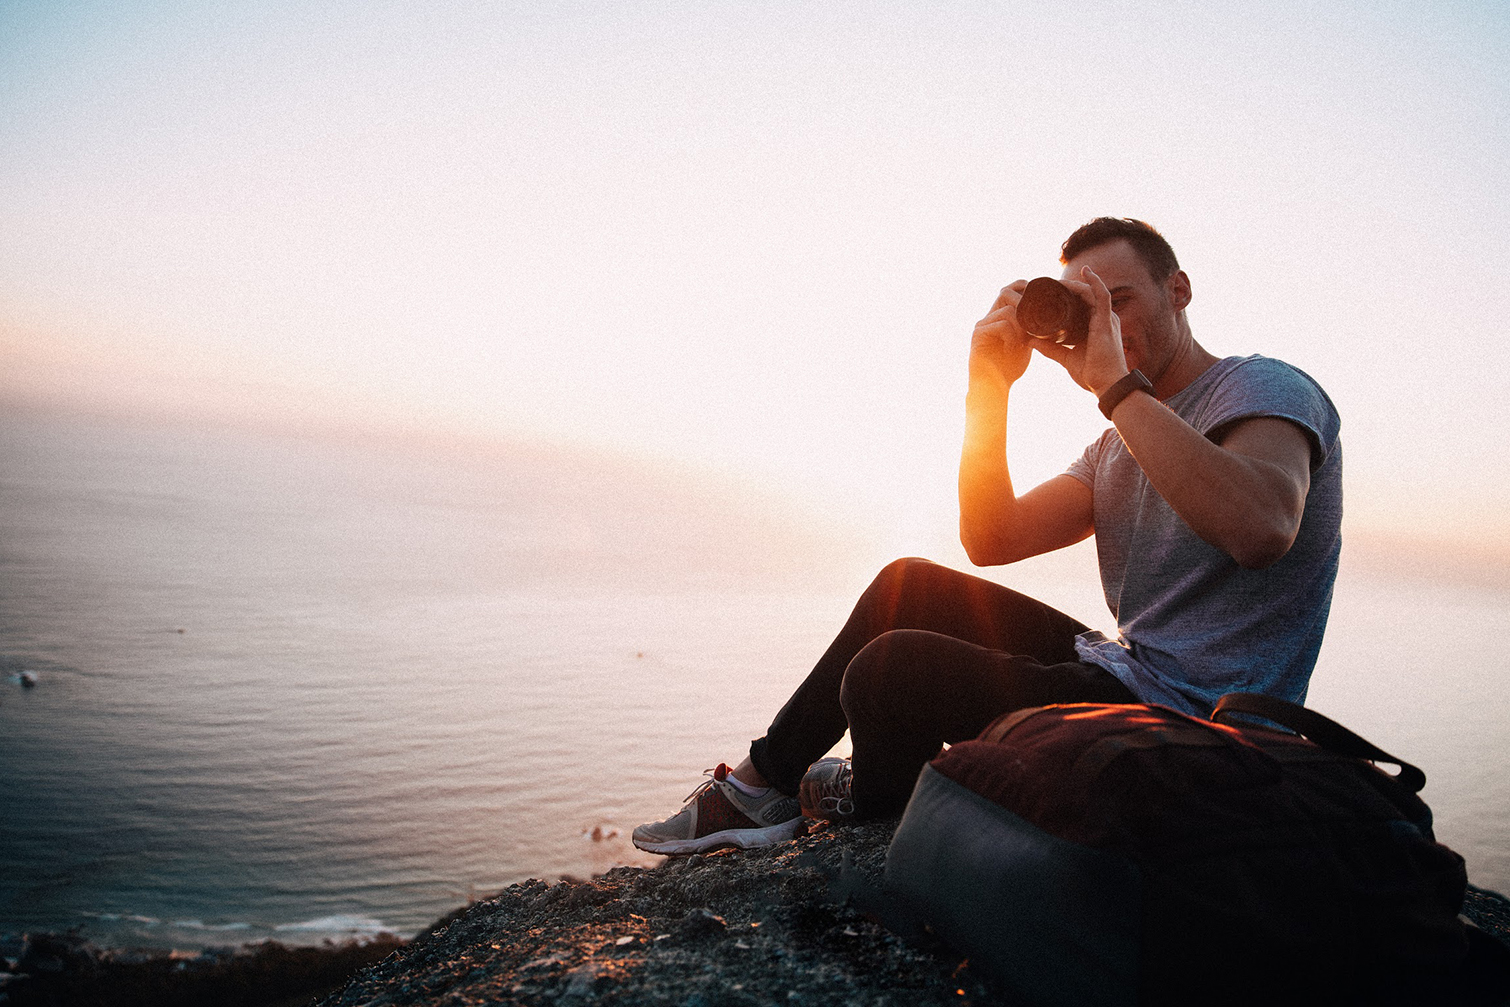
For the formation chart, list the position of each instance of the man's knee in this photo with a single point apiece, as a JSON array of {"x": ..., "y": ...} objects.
[
  {"x": 901, "y": 585},
  {"x": 899, "y": 571},
  {"x": 884, "y": 668}
]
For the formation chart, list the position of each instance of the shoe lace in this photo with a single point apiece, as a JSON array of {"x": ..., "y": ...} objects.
[
  {"x": 834, "y": 795},
  {"x": 715, "y": 775},
  {"x": 837, "y": 805}
]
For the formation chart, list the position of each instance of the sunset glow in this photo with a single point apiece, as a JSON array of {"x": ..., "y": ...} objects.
[{"x": 751, "y": 240}]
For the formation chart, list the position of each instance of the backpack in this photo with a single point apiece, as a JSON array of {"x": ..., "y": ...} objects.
[{"x": 1106, "y": 854}]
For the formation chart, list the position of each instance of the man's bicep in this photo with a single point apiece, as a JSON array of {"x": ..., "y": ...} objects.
[
  {"x": 1277, "y": 456},
  {"x": 1279, "y": 442}
]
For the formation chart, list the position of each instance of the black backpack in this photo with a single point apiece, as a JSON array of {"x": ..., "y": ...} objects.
[{"x": 1094, "y": 854}]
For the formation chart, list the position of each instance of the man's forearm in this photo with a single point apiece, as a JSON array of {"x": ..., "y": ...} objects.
[{"x": 986, "y": 497}]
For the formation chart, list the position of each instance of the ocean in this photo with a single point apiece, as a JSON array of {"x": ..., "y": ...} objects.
[{"x": 306, "y": 688}]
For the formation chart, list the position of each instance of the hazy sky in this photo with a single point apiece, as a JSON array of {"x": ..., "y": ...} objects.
[{"x": 754, "y": 236}]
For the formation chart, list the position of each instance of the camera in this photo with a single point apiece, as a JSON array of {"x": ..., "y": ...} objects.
[{"x": 1050, "y": 310}]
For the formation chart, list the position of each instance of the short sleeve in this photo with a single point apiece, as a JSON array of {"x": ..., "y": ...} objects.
[
  {"x": 1084, "y": 467},
  {"x": 1265, "y": 387}
]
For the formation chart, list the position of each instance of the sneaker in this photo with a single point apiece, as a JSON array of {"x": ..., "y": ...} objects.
[
  {"x": 718, "y": 814},
  {"x": 826, "y": 791}
]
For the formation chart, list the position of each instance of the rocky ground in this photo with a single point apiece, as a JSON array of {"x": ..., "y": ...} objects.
[
  {"x": 784, "y": 925},
  {"x": 792, "y": 924},
  {"x": 788, "y": 925}
]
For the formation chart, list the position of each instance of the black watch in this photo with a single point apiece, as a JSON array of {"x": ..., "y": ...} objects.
[{"x": 1113, "y": 396}]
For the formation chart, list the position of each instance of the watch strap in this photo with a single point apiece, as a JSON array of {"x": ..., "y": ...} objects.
[{"x": 1133, "y": 381}]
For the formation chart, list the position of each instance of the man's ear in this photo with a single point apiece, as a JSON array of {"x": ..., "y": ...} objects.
[{"x": 1178, "y": 286}]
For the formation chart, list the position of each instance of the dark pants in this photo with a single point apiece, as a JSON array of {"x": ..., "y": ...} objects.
[{"x": 929, "y": 656}]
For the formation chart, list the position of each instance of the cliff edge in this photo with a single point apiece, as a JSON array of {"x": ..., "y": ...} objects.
[
  {"x": 785, "y": 924},
  {"x": 791, "y": 924}
]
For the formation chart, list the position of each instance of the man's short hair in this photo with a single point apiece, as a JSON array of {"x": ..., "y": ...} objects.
[{"x": 1147, "y": 242}]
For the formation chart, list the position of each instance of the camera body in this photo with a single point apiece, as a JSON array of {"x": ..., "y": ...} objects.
[{"x": 1050, "y": 310}]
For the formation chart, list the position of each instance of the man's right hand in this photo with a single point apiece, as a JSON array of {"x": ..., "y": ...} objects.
[{"x": 1000, "y": 350}]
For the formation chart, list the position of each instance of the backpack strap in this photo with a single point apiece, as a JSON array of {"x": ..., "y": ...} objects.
[{"x": 1322, "y": 730}]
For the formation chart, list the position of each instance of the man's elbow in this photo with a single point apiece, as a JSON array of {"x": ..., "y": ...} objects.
[
  {"x": 1259, "y": 549},
  {"x": 981, "y": 546}
]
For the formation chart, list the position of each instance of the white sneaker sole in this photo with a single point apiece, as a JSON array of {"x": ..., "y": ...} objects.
[{"x": 745, "y": 839}]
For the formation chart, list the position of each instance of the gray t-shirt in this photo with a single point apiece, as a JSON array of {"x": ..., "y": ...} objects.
[{"x": 1192, "y": 624}]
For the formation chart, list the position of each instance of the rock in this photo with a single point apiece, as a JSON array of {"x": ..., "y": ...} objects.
[
  {"x": 701, "y": 923},
  {"x": 65, "y": 969},
  {"x": 58, "y": 953},
  {"x": 579, "y": 982}
]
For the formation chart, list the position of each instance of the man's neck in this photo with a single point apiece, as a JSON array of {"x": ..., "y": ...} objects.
[{"x": 1189, "y": 363}]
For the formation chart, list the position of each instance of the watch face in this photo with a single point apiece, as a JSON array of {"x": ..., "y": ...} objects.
[{"x": 1133, "y": 381}]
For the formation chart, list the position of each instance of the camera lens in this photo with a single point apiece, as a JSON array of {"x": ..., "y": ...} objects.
[{"x": 1050, "y": 310}]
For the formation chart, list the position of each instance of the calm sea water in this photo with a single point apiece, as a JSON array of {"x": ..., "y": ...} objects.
[{"x": 304, "y": 690}]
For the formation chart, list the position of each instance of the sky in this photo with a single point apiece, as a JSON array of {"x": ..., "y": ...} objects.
[{"x": 754, "y": 237}]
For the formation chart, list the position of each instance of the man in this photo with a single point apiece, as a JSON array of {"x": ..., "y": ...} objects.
[{"x": 1215, "y": 499}]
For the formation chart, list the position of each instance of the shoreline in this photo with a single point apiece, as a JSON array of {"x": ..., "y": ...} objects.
[
  {"x": 13, "y": 942},
  {"x": 66, "y": 968}
]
